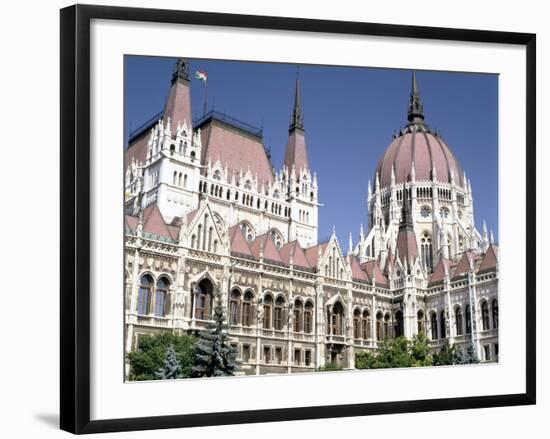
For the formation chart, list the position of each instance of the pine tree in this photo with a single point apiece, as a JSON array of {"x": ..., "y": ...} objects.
[
  {"x": 171, "y": 369},
  {"x": 214, "y": 356}
]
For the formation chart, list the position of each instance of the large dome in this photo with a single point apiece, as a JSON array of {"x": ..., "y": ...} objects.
[{"x": 417, "y": 144}]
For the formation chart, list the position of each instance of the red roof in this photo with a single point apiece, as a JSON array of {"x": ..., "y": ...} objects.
[
  {"x": 312, "y": 253},
  {"x": 438, "y": 274},
  {"x": 463, "y": 266},
  {"x": 270, "y": 251},
  {"x": 426, "y": 151},
  {"x": 137, "y": 150},
  {"x": 356, "y": 272},
  {"x": 235, "y": 149},
  {"x": 489, "y": 261},
  {"x": 295, "y": 250},
  {"x": 407, "y": 249},
  {"x": 178, "y": 105},
  {"x": 296, "y": 151},
  {"x": 154, "y": 223},
  {"x": 372, "y": 267},
  {"x": 238, "y": 242}
]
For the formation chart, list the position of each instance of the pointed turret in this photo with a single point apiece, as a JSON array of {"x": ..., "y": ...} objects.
[
  {"x": 177, "y": 110},
  {"x": 416, "y": 109},
  {"x": 296, "y": 149},
  {"x": 407, "y": 247}
]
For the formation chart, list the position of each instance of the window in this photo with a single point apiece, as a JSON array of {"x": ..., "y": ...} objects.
[
  {"x": 399, "y": 328},
  {"x": 267, "y": 354},
  {"x": 387, "y": 326},
  {"x": 279, "y": 312},
  {"x": 247, "y": 309},
  {"x": 443, "y": 325},
  {"x": 433, "y": 324},
  {"x": 494, "y": 307},
  {"x": 203, "y": 297},
  {"x": 458, "y": 320},
  {"x": 307, "y": 358},
  {"x": 308, "y": 318},
  {"x": 379, "y": 326},
  {"x": 426, "y": 251},
  {"x": 246, "y": 353},
  {"x": 420, "y": 322},
  {"x": 496, "y": 351},
  {"x": 144, "y": 295},
  {"x": 468, "y": 320},
  {"x": 425, "y": 211},
  {"x": 487, "y": 352},
  {"x": 279, "y": 355},
  {"x": 234, "y": 303},
  {"x": 337, "y": 319},
  {"x": 444, "y": 212},
  {"x": 356, "y": 324},
  {"x": 365, "y": 330},
  {"x": 298, "y": 311},
  {"x": 161, "y": 296},
  {"x": 268, "y": 306},
  {"x": 485, "y": 316},
  {"x": 297, "y": 356}
]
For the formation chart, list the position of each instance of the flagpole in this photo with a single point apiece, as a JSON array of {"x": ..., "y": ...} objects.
[{"x": 205, "y": 97}]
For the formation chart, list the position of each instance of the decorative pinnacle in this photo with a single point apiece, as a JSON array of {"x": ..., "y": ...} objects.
[
  {"x": 181, "y": 70},
  {"x": 406, "y": 219},
  {"x": 296, "y": 119},
  {"x": 416, "y": 109}
]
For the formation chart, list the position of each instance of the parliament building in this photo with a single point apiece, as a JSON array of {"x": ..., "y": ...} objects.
[{"x": 206, "y": 212}]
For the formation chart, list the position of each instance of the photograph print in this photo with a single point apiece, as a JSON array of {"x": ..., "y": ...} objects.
[{"x": 286, "y": 219}]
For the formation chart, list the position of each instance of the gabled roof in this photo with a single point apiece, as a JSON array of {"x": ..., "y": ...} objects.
[
  {"x": 372, "y": 267},
  {"x": 312, "y": 253},
  {"x": 356, "y": 272},
  {"x": 154, "y": 223},
  {"x": 269, "y": 248},
  {"x": 238, "y": 244},
  {"x": 463, "y": 266},
  {"x": 407, "y": 249},
  {"x": 295, "y": 250},
  {"x": 489, "y": 261},
  {"x": 438, "y": 274}
]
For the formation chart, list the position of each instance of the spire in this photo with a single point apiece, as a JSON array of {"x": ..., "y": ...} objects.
[
  {"x": 406, "y": 244},
  {"x": 416, "y": 109},
  {"x": 296, "y": 119},
  {"x": 177, "y": 110},
  {"x": 296, "y": 149},
  {"x": 406, "y": 218}
]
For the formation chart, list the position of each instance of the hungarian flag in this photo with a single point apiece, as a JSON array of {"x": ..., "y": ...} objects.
[{"x": 201, "y": 75}]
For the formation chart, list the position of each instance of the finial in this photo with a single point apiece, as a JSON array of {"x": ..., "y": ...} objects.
[
  {"x": 416, "y": 109},
  {"x": 181, "y": 70},
  {"x": 492, "y": 237}
]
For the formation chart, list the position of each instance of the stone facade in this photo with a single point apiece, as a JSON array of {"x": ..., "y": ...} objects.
[{"x": 207, "y": 213}]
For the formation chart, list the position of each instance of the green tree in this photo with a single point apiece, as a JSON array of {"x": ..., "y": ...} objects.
[
  {"x": 149, "y": 357},
  {"x": 447, "y": 355},
  {"x": 171, "y": 369},
  {"x": 214, "y": 356},
  {"x": 397, "y": 352}
]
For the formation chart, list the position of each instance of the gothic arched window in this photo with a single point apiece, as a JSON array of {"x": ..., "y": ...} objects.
[
  {"x": 298, "y": 310},
  {"x": 268, "y": 308},
  {"x": 485, "y": 315},
  {"x": 308, "y": 318},
  {"x": 399, "y": 329},
  {"x": 468, "y": 314},
  {"x": 234, "y": 305},
  {"x": 494, "y": 307},
  {"x": 433, "y": 324},
  {"x": 144, "y": 295},
  {"x": 247, "y": 309},
  {"x": 379, "y": 326},
  {"x": 426, "y": 251},
  {"x": 356, "y": 324},
  {"x": 203, "y": 299},
  {"x": 458, "y": 320},
  {"x": 161, "y": 297},
  {"x": 442, "y": 324},
  {"x": 420, "y": 322},
  {"x": 278, "y": 318}
]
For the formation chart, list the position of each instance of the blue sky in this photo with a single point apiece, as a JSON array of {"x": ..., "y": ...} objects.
[{"x": 350, "y": 114}]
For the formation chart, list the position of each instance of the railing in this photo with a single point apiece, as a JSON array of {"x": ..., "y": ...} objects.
[
  {"x": 222, "y": 117},
  {"x": 273, "y": 333},
  {"x": 162, "y": 322},
  {"x": 341, "y": 339},
  {"x": 302, "y": 336}
]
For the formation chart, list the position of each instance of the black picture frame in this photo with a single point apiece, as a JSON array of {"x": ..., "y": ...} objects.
[{"x": 75, "y": 217}]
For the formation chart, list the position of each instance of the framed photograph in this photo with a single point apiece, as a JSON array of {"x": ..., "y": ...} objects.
[{"x": 275, "y": 218}]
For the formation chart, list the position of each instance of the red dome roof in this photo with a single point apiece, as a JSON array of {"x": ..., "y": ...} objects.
[{"x": 417, "y": 144}]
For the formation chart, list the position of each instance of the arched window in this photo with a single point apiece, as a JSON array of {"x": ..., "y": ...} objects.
[
  {"x": 247, "y": 309},
  {"x": 248, "y": 231},
  {"x": 144, "y": 295},
  {"x": 199, "y": 235},
  {"x": 161, "y": 297},
  {"x": 356, "y": 324},
  {"x": 278, "y": 318},
  {"x": 268, "y": 308},
  {"x": 185, "y": 181},
  {"x": 210, "y": 232},
  {"x": 387, "y": 327},
  {"x": 193, "y": 241},
  {"x": 458, "y": 320},
  {"x": 308, "y": 318},
  {"x": 234, "y": 311},
  {"x": 494, "y": 307},
  {"x": 337, "y": 319},
  {"x": 426, "y": 251},
  {"x": 203, "y": 299},
  {"x": 365, "y": 323},
  {"x": 298, "y": 312},
  {"x": 485, "y": 315},
  {"x": 174, "y": 178},
  {"x": 433, "y": 324},
  {"x": 420, "y": 322},
  {"x": 379, "y": 326},
  {"x": 179, "y": 179},
  {"x": 442, "y": 324},
  {"x": 399, "y": 330},
  {"x": 468, "y": 314}
]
